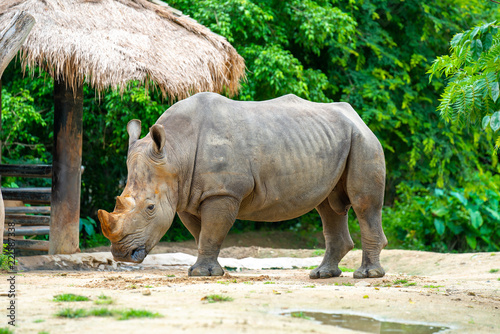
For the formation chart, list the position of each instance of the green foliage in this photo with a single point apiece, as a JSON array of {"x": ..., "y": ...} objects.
[
  {"x": 472, "y": 92},
  {"x": 6, "y": 330},
  {"x": 105, "y": 312},
  {"x": 447, "y": 220},
  {"x": 6, "y": 259}
]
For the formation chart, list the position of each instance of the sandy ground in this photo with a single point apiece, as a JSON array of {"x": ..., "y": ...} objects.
[{"x": 459, "y": 291}]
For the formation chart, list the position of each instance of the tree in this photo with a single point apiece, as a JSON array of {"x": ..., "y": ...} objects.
[{"x": 472, "y": 67}]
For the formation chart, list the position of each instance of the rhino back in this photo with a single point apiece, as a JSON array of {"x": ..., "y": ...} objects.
[{"x": 280, "y": 157}]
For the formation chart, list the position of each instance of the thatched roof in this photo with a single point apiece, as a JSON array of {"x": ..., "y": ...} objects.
[{"x": 108, "y": 43}]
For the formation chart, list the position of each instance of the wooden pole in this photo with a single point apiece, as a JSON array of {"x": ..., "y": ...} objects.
[
  {"x": 11, "y": 39},
  {"x": 66, "y": 168}
]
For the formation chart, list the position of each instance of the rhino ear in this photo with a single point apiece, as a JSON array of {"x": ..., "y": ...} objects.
[
  {"x": 159, "y": 137},
  {"x": 134, "y": 131}
]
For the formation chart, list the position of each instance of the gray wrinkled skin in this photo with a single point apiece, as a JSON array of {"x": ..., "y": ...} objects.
[{"x": 212, "y": 160}]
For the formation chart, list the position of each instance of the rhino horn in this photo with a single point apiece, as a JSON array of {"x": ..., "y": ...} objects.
[
  {"x": 109, "y": 225},
  {"x": 120, "y": 204}
]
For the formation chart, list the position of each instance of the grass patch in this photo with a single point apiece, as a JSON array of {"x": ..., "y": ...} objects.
[
  {"x": 217, "y": 298},
  {"x": 103, "y": 300},
  {"x": 43, "y": 332},
  {"x": 310, "y": 286},
  {"x": 37, "y": 321},
  {"x": 102, "y": 312},
  {"x": 299, "y": 315},
  {"x": 319, "y": 252},
  {"x": 71, "y": 313},
  {"x": 269, "y": 282},
  {"x": 433, "y": 286},
  {"x": 346, "y": 270},
  {"x": 6, "y": 330},
  {"x": 411, "y": 284},
  {"x": 492, "y": 271},
  {"x": 69, "y": 297},
  {"x": 170, "y": 275},
  {"x": 400, "y": 281},
  {"x": 105, "y": 312},
  {"x": 133, "y": 313}
]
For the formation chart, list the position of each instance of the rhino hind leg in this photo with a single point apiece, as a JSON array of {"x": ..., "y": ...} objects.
[
  {"x": 217, "y": 217},
  {"x": 365, "y": 187},
  {"x": 337, "y": 238}
]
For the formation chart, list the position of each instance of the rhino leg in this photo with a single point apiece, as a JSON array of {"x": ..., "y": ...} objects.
[
  {"x": 337, "y": 238},
  {"x": 192, "y": 223},
  {"x": 217, "y": 216},
  {"x": 365, "y": 187}
]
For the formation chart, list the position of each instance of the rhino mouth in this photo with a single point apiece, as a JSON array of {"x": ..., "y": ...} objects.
[{"x": 137, "y": 255}]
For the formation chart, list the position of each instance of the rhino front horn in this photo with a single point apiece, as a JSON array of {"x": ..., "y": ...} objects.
[{"x": 109, "y": 225}]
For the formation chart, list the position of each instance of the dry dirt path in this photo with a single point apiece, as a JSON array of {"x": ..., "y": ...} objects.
[{"x": 460, "y": 291}]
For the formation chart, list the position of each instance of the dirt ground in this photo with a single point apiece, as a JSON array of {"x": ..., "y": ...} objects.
[{"x": 459, "y": 291}]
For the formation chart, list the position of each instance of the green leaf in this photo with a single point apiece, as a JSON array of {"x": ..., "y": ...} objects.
[
  {"x": 486, "y": 121},
  {"x": 475, "y": 218},
  {"x": 440, "y": 212},
  {"x": 488, "y": 40},
  {"x": 471, "y": 241},
  {"x": 493, "y": 213},
  {"x": 440, "y": 227},
  {"x": 495, "y": 121},
  {"x": 456, "y": 40},
  {"x": 460, "y": 197},
  {"x": 494, "y": 91}
]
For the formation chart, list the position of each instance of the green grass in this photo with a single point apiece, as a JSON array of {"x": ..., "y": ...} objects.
[
  {"x": 319, "y": 252},
  {"x": 37, "y": 321},
  {"x": 43, "y": 332},
  {"x": 103, "y": 300},
  {"x": 433, "y": 286},
  {"x": 269, "y": 282},
  {"x": 72, "y": 313},
  {"x": 102, "y": 312},
  {"x": 6, "y": 330},
  {"x": 217, "y": 298},
  {"x": 411, "y": 284},
  {"x": 170, "y": 275},
  {"x": 400, "y": 281},
  {"x": 105, "y": 312},
  {"x": 310, "y": 286},
  {"x": 346, "y": 270},
  {"x": 299, "y": 315},
  {"x": 69, "y": 297},
  {"x": 133, "y": 313},
  {"x": 492, "y": 271}
]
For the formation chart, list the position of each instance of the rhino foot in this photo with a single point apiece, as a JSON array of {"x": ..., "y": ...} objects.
[
  {"x": 371, "y": 271},
  {"x": 324, "y": 271},
  {"x": 205, "y": 268}
]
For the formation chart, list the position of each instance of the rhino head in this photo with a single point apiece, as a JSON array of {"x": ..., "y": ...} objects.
[{"x": 146, "y": 208}]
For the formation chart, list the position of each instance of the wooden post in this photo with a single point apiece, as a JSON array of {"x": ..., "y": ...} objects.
[
  {"x": 66, "y": 168},
  {"x": 11, "y": 39}
]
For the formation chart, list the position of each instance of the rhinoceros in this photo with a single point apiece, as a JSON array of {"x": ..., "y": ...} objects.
[{"x": 212, "y": 160}]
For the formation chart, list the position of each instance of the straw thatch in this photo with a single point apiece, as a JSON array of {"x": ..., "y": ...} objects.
[{"x": 108, "y": 43}]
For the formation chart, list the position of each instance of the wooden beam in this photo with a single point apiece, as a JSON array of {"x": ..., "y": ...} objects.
[
  {"x": 29, "y": 230},
  {"x": 11, "y": 39},
  {"x": 66, "y": 168},
  {"x": 27, "y": 209},
  {"x": 36, "y": 245},
  {"x": 28, "y": 220},
  {"x": 42, "y": 171},
  {"x": 27, "y": 195}
]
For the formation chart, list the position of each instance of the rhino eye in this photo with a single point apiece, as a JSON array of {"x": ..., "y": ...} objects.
[{"x": 151, "y": 207}]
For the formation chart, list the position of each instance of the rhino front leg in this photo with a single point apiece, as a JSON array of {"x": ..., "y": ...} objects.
[
  {"x": 217, "y": 216},
  {"x": 192, "y": 223},
  {"x": 338, "y": 241}
]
